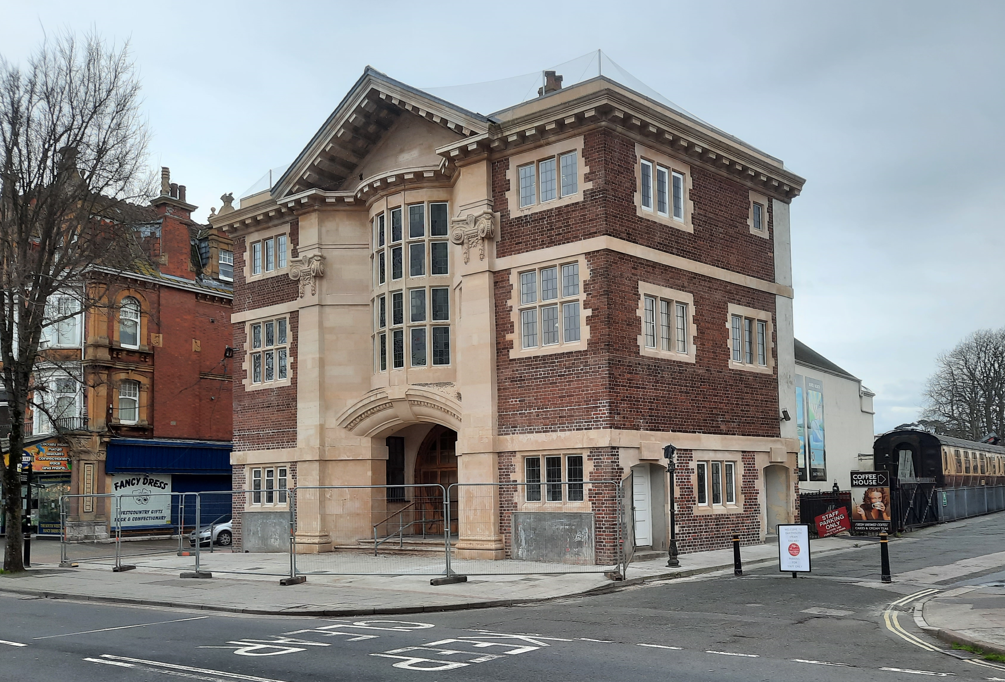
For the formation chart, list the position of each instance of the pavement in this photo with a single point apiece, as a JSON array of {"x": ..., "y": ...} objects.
[{"x": 249, "y": 583}]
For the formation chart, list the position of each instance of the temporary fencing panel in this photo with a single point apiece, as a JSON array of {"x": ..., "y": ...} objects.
[
  {"x": 546, "y": 527},
  {"x": 372, "y": 530},
  {"x": 118, "y": 529},
  {"x": 232, "y": 522}
]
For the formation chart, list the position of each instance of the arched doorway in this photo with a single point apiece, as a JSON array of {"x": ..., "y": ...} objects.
[{"x": 436, "y": 463}]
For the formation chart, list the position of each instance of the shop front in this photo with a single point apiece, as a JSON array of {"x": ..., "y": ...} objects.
[
  {"x": 50, "y": 465},
  {"x": 148, "y": 476}
]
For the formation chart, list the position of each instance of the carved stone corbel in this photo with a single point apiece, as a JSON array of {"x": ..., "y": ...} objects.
[
  {"x": 473, "y": 230},
  {"x": 307, "y": 269}
]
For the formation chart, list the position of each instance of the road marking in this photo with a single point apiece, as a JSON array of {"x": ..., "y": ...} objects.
[
  {"x": 186, "y": 668},
  {"x": 661, "y": 646},
  {"x": 730, "y": 653},
  {"x": 98, "y": 660},
  {"x": 123, "y": 627},
  {"x": 4, "y": 641},
  {"x": 892, "y": 620},
  {"x": 894, "y": 626},
  {"x": 803, "y": 660},
  {"x": 604, "y": 641},
  {"x": 917, "y": 672}
]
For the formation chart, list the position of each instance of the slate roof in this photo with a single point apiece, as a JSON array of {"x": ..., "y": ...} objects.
[{"x": 807, "y": 356}]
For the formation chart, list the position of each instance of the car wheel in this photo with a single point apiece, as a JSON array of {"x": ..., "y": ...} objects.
[{"x": 224, "y": 538}]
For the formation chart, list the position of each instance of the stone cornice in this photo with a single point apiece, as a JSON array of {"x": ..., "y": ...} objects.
[{"x": 604, "y": 104}]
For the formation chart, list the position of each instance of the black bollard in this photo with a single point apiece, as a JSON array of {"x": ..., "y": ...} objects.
[
  {"x": 737, "y": 564},
  {"x": 884, "y": 550}
]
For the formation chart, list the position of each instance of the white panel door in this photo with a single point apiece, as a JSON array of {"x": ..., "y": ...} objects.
[{"x": 642, "y": 500}]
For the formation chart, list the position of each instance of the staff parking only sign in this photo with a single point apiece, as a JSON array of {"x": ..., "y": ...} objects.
[{"x": 794, "y": 548}]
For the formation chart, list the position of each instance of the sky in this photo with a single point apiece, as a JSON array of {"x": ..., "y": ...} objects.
[{"x": 894, "y": 112}]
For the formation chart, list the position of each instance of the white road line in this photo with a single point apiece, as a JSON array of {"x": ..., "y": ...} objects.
[
  {"x": 123, "y": 627},
  {"x": 98, "y": 660},
  {"x": 661, "y": 646},
  {"x": 603, "y": 641},
  {"x": 803, "y": 660},
  {"x": 4, "y": 641},
  {"x": 205, "y": 671},
  {"x": 917, "y": 672},
  {"x": 730, "y": 653}
]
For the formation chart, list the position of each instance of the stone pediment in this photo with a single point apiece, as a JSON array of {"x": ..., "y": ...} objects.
[{"x": 359, "y": 135}]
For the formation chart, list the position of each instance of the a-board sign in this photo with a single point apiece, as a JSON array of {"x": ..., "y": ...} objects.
[
  {"x": 832, "y": 522},
  {"x": 870, "y": 501},
  {"x": 794, "y": 548}
]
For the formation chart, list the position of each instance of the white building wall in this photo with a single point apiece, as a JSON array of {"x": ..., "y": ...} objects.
[{"x": 848, "y": 428}]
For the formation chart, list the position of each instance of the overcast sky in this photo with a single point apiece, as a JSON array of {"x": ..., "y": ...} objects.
[{"x": 892, "y": 111}]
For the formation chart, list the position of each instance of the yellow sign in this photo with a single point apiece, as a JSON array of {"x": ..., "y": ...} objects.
[{"x": 49, "y": 456}]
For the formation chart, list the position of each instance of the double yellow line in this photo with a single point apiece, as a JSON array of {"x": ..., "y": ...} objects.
[
  {"x": 893, "y": 625},
  {"x": 890, "y": 616}
]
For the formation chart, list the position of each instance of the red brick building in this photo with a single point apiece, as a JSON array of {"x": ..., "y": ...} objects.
[
  {"x": 546, "y": 295},
  {"x": 140, "y": 385}
]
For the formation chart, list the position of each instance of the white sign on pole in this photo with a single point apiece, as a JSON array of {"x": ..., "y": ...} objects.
[
  {"x": 793, "y": 548},
  {"x": 143, "y": 499}
]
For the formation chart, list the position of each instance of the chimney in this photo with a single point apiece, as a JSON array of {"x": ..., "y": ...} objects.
[
  {"x": 165, "y": 181},
  {"x": 181, "y": 193},
  {"x": 552, "y": 83},
  {"x": 174, "y": 190}
]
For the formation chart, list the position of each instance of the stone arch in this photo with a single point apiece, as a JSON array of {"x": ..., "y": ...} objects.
[{"x": 383, "y": 411}]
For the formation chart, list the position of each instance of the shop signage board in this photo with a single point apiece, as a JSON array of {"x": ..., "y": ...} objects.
[
  {"x": 794, "y": 548},
  {"x": 870, "y": 501},
  {"x": 832, "y": 522},
  {"x": 144, "y": 500},
  {"x": 47, "y": 457}
]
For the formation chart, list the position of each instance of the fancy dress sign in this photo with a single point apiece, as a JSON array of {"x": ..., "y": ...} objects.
[{"x": 142, "y": 500}]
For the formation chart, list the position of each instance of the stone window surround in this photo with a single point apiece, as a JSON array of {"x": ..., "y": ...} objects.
[
  {"x": 555, "y": 149},
  {"x": 250, "y": 239},
  {"x": 517, "y": 351},
  {"x": 142, "y": 403},
  {"x": 520, "y": 476},
  {"x": 645, "y": 288},
  {"x": 660, "y": 159},
  {"x": 143, "y": 333},
  {"x": 249, "y": 482},
  {"x": 407, "y": 325},
  {"x": 753, "y": 313},
  {"x": 246, "y": 366},
  {"x": 736, "y": 458},
  {"x": 758, "y": 198}
]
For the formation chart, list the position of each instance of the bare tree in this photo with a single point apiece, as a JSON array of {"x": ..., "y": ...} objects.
[
  {"x": 966, "y": 395},
  {"x": 72, "y": 168}
]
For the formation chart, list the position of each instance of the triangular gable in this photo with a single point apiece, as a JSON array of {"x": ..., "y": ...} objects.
[{"x": 358, "y": 126}]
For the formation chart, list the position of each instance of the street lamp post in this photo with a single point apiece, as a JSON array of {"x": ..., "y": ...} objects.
[{"x": 668, "y": 454}]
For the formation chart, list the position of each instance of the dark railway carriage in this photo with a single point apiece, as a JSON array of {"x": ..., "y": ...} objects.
[{"x": 952, "y": 462}]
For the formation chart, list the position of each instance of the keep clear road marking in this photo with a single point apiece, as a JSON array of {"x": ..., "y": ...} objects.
[
  {"x": 123, "y": 627},
  {"x": 4, "y": 641},
  {"x": 123, "y": 661}
]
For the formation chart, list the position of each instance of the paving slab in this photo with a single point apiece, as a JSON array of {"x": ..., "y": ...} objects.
[{"x": 249, "y": 583}]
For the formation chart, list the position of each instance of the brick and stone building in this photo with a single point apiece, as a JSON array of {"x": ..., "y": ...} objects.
[
  {"x": 137, "y": 387},
  {"x": 549, "y": 294}
]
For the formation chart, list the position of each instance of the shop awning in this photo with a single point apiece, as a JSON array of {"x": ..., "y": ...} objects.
[{"x": 167, "y": 456}]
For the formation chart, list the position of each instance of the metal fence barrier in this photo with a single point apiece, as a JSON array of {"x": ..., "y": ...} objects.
[
  {"x": 546, "y": 527},
  {"x": 952, "y": 504},
  {"x": 371, "y": 529},
  {"x": 116, "y": 530}
]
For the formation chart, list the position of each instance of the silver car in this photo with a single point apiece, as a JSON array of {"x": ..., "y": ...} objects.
[{"x": 219, "y": 532}]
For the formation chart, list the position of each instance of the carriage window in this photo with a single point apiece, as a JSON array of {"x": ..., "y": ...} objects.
[
  {"x": 966, "y": 462},
  {"x": 984, "y": 466},
  {"x": 906, "y": 468},
  {"x": 959, "y": 463}
]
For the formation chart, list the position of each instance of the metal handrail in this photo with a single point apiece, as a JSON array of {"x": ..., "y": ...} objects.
[{"x": 400, "y": 533}]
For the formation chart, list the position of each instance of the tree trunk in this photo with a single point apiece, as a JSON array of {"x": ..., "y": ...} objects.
[{"x": 13, "y": 561}]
